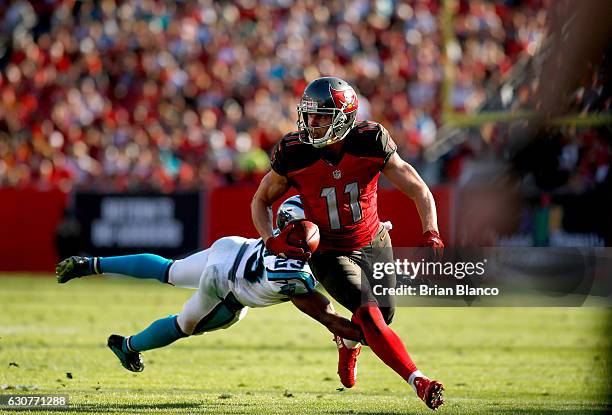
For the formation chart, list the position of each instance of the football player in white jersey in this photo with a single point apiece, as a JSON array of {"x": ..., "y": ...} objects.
[{"x": 233, "y": 274}]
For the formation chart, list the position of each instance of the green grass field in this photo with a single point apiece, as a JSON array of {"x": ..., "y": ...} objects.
[{"x": 492, "y": 360}]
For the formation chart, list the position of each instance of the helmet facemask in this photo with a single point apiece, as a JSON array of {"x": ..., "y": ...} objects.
[{"x": 336, "y": 129}]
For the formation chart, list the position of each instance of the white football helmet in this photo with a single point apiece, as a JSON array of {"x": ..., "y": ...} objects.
[{"x": 291, "y": 209}]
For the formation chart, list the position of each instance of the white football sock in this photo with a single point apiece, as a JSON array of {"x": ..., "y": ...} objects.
[
  {"x": 351, "y": 344},
  {"x": 413, "y": 375}
]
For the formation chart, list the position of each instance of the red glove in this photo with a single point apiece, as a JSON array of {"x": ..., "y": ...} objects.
[
  {"x": 432, "y": 239},
  {"x": 279, "y": 247}
]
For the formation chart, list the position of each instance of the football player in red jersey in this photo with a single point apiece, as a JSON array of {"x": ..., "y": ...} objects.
[{"x": 334, "y": 163}]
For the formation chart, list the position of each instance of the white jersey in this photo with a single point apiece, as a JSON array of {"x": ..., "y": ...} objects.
[
  {"x": 259, "y": 278},
  {"x": 244, "y": 268}
]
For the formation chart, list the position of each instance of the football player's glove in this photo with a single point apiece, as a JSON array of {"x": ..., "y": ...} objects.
[
  {"x": 279, "y": 247},
  {"x": 432, "y": 240}
]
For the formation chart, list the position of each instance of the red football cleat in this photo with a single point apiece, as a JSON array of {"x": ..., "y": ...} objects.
[
  {"x": 430, "y": 392},
  {"x": 347, "y": 363}
]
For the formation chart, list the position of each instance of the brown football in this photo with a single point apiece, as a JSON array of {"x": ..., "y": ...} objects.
[{"x": 303, "y": 234}]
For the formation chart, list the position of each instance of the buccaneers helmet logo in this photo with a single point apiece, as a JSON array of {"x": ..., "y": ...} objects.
[{"x": 346, "y": 100}]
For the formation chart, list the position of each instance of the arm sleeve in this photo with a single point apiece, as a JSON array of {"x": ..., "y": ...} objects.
[
  {"x": 277, "y": 161},
  {"x": 386, "y": 145},
  {"x": 373, "y": 140}
]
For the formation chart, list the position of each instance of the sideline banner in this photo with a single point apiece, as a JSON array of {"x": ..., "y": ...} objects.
[{"x": 119, "y": 224}]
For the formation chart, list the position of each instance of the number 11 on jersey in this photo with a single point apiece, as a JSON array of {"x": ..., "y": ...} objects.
[{"x": 329, "y": 193}]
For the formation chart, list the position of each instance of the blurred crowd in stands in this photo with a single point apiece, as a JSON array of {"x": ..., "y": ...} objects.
[
  {"x": 171, "y": 95},
  {"x": 563, "y": 156}
]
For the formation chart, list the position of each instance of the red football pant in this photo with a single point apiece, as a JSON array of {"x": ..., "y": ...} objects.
[{"x": 383, "y": 341}]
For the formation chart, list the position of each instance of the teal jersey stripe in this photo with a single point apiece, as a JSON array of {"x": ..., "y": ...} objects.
[{"x": 285, "y": 271}]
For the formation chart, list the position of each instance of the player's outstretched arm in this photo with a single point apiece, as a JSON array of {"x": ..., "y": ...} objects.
[
  {"x": 317, "y": 306},
  {"x": 271, "y": 188},
  {"x": 406, "y": 178}
]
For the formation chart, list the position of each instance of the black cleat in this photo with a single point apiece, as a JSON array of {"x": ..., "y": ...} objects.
[
  {"x": 73, "y": 267},
  {"x": 132, "y": 361}
]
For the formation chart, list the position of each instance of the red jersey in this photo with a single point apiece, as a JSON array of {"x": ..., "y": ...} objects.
[{"x": 340, "y": 197}]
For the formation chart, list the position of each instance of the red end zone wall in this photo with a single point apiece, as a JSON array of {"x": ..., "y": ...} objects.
[
  {"x": 230, "y": 214},
  {"x": 393, "y": 205},
  {"x": 28, "y": 219}
]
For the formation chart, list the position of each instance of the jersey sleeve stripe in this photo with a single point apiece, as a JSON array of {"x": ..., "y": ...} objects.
[{"x": 241, "y": 251}]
